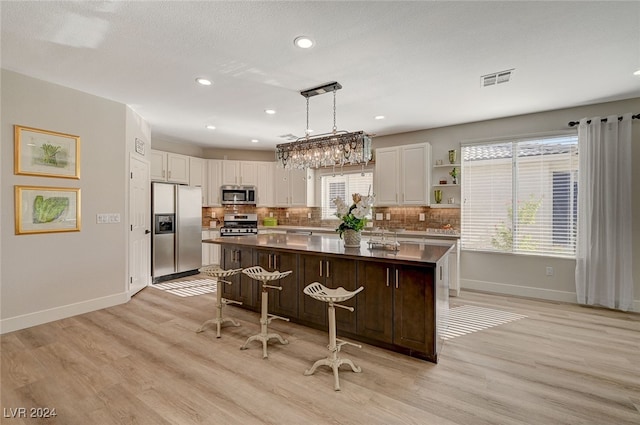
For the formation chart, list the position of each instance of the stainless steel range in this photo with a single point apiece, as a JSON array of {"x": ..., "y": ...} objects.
[{"x": 239, "y": 225}]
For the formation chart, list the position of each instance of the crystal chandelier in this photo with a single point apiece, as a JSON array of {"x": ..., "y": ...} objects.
[{"x": 337, "y": 148}]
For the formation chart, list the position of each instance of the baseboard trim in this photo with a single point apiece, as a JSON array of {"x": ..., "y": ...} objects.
[
  {"x": 521, "y": 291},
  {"x": 45, "y": 316},
  {"x": 527, "y": 291}
]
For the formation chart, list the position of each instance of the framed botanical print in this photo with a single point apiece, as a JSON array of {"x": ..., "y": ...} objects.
[
  {"x": 40, "y": 209},
  {"x": 46, "y": 153}
]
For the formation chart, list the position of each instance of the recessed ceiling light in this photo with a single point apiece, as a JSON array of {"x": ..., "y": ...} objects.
[
  {"x": 269, "y": 111},
  {"x": 303, "y": 42},
  {"x": 379, "y": 117},
  {"x": 211, "y": 127},
  {"x": 254, "y": 140},
  {"x": 203, "y": 81},
  {"x": 637, "y": 72}
]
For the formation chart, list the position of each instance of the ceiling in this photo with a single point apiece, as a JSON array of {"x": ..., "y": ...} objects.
[{"x": 417, "y": 63}]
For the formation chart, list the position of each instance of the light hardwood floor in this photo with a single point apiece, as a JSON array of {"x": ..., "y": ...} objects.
[{"x": 142, "y": 363}]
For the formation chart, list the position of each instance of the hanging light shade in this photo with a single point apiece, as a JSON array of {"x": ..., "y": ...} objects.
[{"x": 337, "y": 148}]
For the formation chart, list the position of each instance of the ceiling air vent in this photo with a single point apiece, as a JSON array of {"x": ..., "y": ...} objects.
[
  {"x": 496, "y": 78},
  {"x": 288, "y": 136}
]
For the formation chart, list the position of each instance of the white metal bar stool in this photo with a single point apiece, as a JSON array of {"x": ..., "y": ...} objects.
[
  {"x": 218, "y": 273},
  {"x": 332, "y": 296},
  {"x": 258, "y": 273}
]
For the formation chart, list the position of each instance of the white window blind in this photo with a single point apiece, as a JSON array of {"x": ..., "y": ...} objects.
[
  {"x": 520, "y": 196},
  {"x": 343, "y": 186}
]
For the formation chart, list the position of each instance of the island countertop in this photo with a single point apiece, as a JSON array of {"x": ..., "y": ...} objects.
[{"x": 415, "y": 252}]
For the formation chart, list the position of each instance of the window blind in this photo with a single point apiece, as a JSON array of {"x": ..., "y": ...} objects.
[
  {"x": 520, "y": 196},
  {"x": 343, "y": 185}
]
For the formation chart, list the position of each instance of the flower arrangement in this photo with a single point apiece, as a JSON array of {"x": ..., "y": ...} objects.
[{"x": 353, "y": 217}]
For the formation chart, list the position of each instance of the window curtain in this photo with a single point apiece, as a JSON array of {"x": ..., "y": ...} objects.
[{"x": 604, "y": 256}]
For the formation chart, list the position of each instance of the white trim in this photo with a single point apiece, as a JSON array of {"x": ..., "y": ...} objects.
[
  {"x": 45, "y": 316},
  {"x": 527, "y": 291},
  {"x": 522, "y": 291}
]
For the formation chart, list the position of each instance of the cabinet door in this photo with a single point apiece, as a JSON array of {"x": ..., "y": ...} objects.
[
  {"x": 281, "y": 187},
  {"x": 158, "y": 169},
  {"x": 341, "y": 272},
  {"x": 415, "y": 174},
  {"x": 387, "y": 170},
  {"x": 198, "y": 175},
  {"x": 312, "y": 269},
  {"x": 178, "y": 168},
  {"x": 298, "y": 188},
  {"x": 230, "y": 172},
  {"x": 214, "y": 181},
  {"x": 375, "y": 302},
  {"x": 243, "y": 288},
  {"x": 282, "y": 302},
  {"x": 264, "y": 171},
  {"x": 248, "y": 173},
  {"x": 413, "y": 322},
  {"x": 206, "y": 248}
]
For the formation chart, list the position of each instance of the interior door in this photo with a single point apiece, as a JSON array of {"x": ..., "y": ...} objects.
[{"x": 140, "y": 225}]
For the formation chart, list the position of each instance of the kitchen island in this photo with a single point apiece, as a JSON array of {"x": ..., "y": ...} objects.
[{"x": 404, "y": 304}]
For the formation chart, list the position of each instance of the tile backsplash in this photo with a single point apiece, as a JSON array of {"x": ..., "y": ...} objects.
[{"x": 407, "y": 218}]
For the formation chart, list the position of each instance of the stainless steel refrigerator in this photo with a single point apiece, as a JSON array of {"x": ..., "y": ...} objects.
[{"x": 176, "y": 248}]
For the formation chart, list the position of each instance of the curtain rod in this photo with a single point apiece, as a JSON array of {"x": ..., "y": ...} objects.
[{"x": 572, "y": 123}]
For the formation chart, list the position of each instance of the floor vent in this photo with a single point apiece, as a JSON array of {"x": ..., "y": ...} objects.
[{"x": 496, "y": 78}]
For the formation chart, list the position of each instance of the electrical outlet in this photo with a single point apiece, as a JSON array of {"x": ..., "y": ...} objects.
[
  {"x": 286, "y": 215},
  {"x": 270, "y": 214},
  {"x": 378, "y": 216},
  {"x": 388, "y": 217},
  {"x": 309, "y": 215},
  {"x": 549, "y": 271},
  {"x": 421, "y": 217}
]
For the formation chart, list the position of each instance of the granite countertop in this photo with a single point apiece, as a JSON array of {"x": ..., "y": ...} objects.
[{"x": 415, "y": 252}]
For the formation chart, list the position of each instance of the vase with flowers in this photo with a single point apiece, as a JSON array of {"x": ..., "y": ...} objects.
[
  {"x": 353, "y": 218},
  {"x": 454, "y": 173}
]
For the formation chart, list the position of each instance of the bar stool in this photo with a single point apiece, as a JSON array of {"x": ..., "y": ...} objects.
[
  {"x": 320, "y": 292},
  {"x": 218, "y": 273},
  {"x": 258, "y": 273}
]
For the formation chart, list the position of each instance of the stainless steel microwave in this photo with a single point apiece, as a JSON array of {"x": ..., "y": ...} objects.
[{"x": 238, "y": 195}]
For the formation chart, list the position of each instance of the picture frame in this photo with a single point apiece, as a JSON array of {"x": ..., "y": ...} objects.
[
  {"x": 41, "y": 209},
  {"x": 46, "y": 153}
]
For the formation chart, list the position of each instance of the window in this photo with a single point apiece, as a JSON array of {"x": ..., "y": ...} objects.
[
  {"x": 343, "y": 186},
  {"x": 520, "y": 196}
]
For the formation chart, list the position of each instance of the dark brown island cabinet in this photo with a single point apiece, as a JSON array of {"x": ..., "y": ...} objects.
[{"x": 403, "y": 307}]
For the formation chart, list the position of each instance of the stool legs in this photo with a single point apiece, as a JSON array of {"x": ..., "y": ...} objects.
[
  {"x": 264, "y": 336},
  {"x": 333, "y": 360},
  {"x": 219, "y": 321}
]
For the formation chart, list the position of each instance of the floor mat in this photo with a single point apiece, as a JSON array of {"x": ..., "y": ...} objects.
[
  {"x": 467, "y": 319},
  {"x": 188, "y": 288}
]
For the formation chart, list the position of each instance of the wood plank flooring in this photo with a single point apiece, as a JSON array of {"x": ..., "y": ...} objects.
[{"x": 143, "y": 363}]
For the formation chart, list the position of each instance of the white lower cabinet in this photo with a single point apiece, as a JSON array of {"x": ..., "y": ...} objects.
[{"x": 210, "y": 251}]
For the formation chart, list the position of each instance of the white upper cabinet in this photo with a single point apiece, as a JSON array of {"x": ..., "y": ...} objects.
[
  {"x": 249, "y": 173},
  {"x": 214, "y": 181},
  {"x": 198, "y": 176},
  {"x": 239, "y": 173},
  {"x": 169, "y": 167},
  {"x": 387, "y": 170},
  {"x": 264, "y": 185},
  {"x": 293, "y": 188},
  {"x": 403, "y": 175}
]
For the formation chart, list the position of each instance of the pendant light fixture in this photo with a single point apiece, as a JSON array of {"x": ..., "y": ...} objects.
[{"x": 337, "y": 148}]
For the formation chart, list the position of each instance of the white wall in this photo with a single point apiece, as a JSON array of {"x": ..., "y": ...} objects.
[
  {"x": 50, "y": 276},
  {"x": 525, "y": 275}
]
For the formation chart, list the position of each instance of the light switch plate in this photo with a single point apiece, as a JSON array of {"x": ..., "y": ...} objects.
[
  {"x": 388, "y": 217},
  {"x": 421, "y": 217},
  {"x": 378, "y": 216}
]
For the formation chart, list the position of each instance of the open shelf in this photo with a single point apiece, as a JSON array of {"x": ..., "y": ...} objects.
[{"x": 446, "y": 165}]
